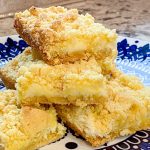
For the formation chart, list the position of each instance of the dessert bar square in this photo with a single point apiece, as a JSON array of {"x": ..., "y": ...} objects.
[
  {"x": 80, "y": 83},
  {"x": 59, "y": 35},
  {"x": 26, "y": 128},
  {"x": 124, "y": 113}
]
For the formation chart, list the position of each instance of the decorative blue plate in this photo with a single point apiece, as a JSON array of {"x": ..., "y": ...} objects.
[{"x": 133, "y": 58}]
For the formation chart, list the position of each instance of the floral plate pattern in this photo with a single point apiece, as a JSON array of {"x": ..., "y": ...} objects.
[{"x": 133, "y": 58}]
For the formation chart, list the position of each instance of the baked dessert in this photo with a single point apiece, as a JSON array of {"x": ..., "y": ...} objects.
[
  {"x": 72, "y": 62},
  {"x": 124, "y": 113},
  {"x": 9, "y": 72},
  {"x": 62, "y": 84},
  {"x": 26, "y": 128},
  {"x": 59, "y": 35}
]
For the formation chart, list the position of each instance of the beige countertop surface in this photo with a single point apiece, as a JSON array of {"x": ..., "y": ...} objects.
[{"x": 129, "y": 17}]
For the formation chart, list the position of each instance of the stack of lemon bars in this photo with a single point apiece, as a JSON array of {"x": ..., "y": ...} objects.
[{"x": 70, "y": 72}]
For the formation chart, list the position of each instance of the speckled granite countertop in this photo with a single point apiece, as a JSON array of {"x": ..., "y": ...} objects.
[{"x": 130, "y": 17}]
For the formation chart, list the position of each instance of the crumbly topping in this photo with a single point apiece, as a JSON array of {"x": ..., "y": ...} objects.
[
  {"x": 55, "y": 18},
  {"x": 79, "y": 67}
]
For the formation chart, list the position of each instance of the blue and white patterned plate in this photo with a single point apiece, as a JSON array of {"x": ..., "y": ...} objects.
[{"x": 133, "y": 58}]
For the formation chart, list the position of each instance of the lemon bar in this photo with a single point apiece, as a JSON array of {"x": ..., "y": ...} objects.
[
  {"x": 124, "y": 114},
  {"x": 80, "y": 83},
  {"x": 60, "y": 35},
  {"x": 9, "y": 72},
  {"x": 26, "y": 128}
]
